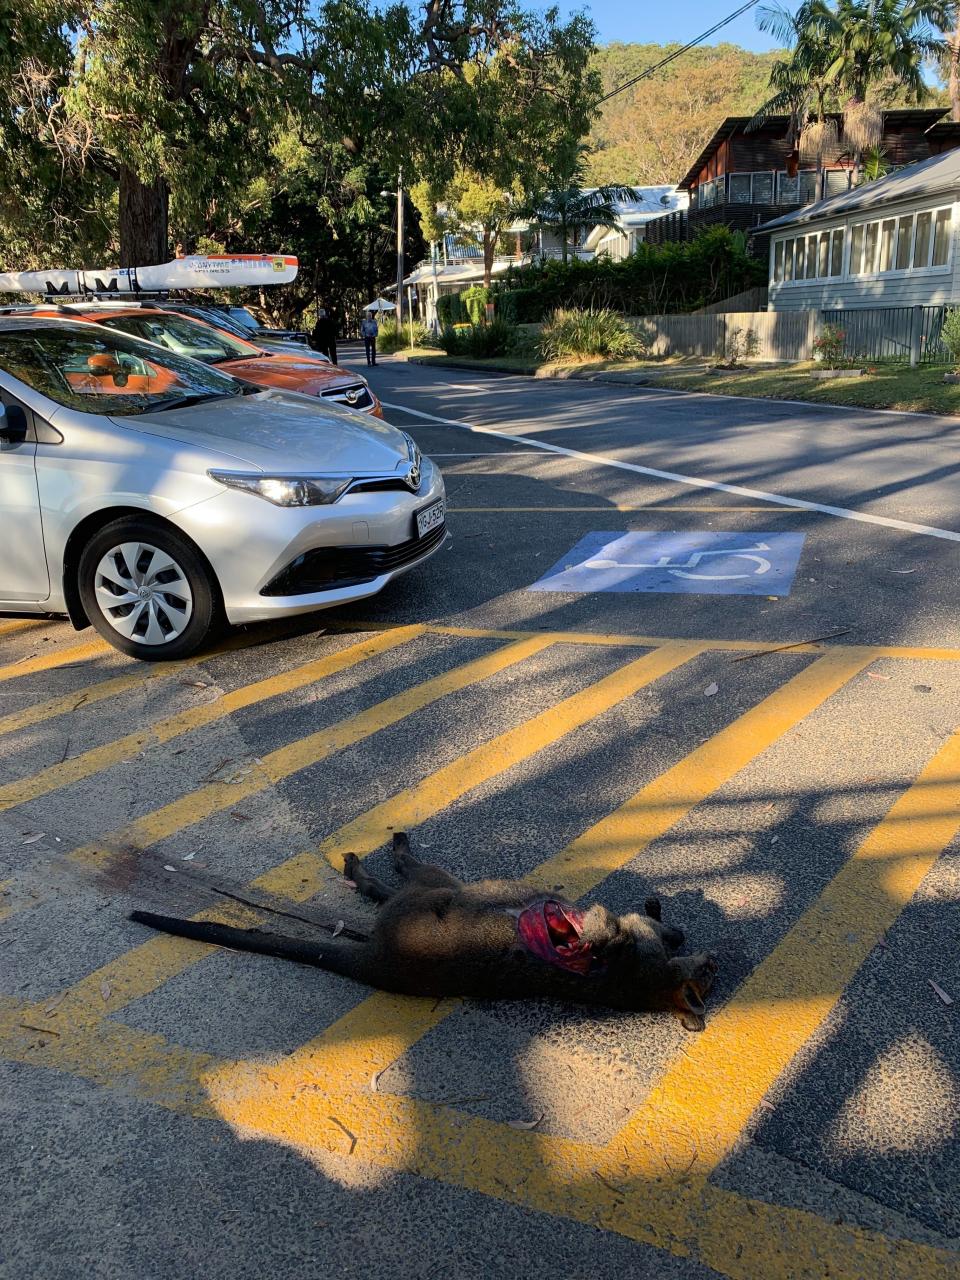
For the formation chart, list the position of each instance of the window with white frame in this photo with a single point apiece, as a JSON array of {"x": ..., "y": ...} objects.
[
  {"x": 809, "y": 257},
  {"x": 911, "y": 242}
]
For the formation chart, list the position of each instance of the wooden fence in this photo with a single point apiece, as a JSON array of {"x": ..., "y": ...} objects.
[{"x": 781, "y": 335}]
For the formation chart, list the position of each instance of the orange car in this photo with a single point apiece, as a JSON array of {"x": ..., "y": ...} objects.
[{"x": 205, "y": 342}]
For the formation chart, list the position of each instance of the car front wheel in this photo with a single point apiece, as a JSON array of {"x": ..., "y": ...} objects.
[{"x": 147, "y": 590}]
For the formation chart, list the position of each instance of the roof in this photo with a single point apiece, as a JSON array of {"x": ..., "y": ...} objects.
[
  {"x": 905, "y": 115},
  {"x": 918, "y": 181}
]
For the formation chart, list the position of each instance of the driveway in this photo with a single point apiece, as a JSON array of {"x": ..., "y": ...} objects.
[{"x": 737, "y": 688}]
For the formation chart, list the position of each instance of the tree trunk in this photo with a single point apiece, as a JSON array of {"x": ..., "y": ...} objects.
[
  {"x": 489, "y": 244},
  {"x": 955, "y": 72},
  {"x": 143, "y": 221}
]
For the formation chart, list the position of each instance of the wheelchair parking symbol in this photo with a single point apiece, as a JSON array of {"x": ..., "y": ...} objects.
[{"x": 710, "y": 563}]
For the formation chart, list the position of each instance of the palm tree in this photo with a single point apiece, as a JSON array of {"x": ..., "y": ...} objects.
[
  {"x": 570, "y": 206},
  {"x": 799, "y": 87},
  {"x": 871, "y": 49}
]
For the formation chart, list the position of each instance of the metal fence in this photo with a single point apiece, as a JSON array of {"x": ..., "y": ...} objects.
[{"x": 893, "y": 335}]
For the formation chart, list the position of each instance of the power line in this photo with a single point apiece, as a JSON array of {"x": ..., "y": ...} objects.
[{"x": 670, "y": 57}]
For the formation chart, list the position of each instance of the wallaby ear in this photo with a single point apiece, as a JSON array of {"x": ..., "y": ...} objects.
[{"x": 687, "y": 1000}]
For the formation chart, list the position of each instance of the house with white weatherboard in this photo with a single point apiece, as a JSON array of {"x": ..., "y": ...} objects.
[{"x": 887, "y": 243}]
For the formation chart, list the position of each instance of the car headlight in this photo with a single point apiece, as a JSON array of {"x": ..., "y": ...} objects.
[{"x": 286, "y": 491}]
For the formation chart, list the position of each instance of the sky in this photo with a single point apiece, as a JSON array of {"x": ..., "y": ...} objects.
[{"x": 653, "y": 22}]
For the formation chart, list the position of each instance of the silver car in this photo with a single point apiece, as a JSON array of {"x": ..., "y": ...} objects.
[{"x": 155, "y": 497}]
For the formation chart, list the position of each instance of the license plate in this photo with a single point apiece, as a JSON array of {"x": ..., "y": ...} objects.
[{"x": 429, "y": 518}]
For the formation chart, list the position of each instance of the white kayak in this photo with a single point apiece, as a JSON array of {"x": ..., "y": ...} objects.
[{"x": 216, "y": 271}]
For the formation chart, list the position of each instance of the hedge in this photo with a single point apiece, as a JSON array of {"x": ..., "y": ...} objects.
[{"x": 656, "y": 279}]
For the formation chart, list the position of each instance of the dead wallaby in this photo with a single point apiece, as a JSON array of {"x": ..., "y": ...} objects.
[{"x": 496, "y": 939}]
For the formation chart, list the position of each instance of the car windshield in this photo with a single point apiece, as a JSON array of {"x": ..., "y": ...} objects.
[
  {"x": 85, "y": 368},
  {"x": 184, "y": 336},
  {"x": 221, "y": 320}
]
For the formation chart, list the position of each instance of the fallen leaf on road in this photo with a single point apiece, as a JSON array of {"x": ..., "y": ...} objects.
[
  {"x": 875, "y": 675},
  {"x": 34, "y": 838},
  {"x": 195, "y": 684},
  {"x": 904, "y": 571},
  {"x": 882, "y": 942},
  {"x": 188, "y": 857},
  {"x": 526, "y": 1124},
  {"x": 49, "y": 1008},
  {"x": 167, "y": 867},
  {"x": 947, "y": 1000},
  {"x": 237, "y": 816},
  {"x": 338, "y": 930},
  {"x": 105, "y": 990},
  {"x": 711, "y": 689}
]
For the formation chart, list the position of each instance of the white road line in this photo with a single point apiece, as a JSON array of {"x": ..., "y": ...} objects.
[{"x": 781, "y": 500}]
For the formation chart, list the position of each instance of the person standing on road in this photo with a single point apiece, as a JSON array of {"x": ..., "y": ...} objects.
[
  {"x": 368, "y": 331},
  {"x": 324, "y": 335}
]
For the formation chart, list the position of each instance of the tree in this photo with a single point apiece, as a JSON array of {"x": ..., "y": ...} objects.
[
  {"x": 570, "y": 207},
  {"x": 869, "y": 50},
  {"x": 523, "y": 111}
]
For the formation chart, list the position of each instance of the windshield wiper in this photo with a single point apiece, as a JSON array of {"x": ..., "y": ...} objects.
[{"x": 196, "y": 398}]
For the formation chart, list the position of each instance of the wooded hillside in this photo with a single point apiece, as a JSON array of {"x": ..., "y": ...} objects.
[{"x": 651, "y": 133}]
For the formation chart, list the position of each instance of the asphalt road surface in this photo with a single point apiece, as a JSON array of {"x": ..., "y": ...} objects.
[{"x": 750, "y": 707}]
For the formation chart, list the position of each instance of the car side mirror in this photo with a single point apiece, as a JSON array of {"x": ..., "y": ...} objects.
[{"x": 13, "y": 424}]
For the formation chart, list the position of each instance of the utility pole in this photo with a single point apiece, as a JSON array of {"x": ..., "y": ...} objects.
[{"x": 399, "y": 248}]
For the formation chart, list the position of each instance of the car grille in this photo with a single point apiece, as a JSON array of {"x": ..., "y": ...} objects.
[
  {"x": 328, "y": 568},
  {"x": 356, "y": 396}
]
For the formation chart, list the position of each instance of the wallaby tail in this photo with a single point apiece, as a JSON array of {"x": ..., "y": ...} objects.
[{"x": 223, "y": 935}]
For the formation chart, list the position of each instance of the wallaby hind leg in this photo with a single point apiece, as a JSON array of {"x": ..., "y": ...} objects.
[
  {"x": 367, "y": 885},
  {"x": 416, "y": 872}
]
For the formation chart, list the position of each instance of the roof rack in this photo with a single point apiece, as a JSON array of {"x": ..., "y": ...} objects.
[{"x": 95, "y": 297}]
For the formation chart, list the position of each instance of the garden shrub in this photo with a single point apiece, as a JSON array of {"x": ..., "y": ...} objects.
[
  {"x": 392, "y": 339},
  {"x": 950, "y": 333},
  {"x": 479, "y": 341},
  {"x": 828, "y": 347},
  {"x": 573, "y": 335}
]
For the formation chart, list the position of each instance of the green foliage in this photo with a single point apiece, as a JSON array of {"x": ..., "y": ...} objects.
[
  {"x": 469, "y": 306},
  {"x": 950, "y": 333},
  {"x": 575, "y": 335},
  {"x": 656, "y": 279},
  {"x": 392, "y": 339},
  {"x": 479, "y": 340},
  {"x": 828, "y": 346}
]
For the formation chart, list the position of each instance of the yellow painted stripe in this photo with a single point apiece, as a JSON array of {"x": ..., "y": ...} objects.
[
  {"x": 93, "y": 761},
  {"x": 59, "y": 658},
  {"x": 212, "y": 798},
  {"x": 651, "y": 642},
  {"x": 749, "y": 1043},
  {"x": 626, "y": 832},
  {"x": 22, "y": 624},
  {"x": 140, "y": 971},
  {"x": 298, "y": 1101},
  {"x": 409, "y": 808}
]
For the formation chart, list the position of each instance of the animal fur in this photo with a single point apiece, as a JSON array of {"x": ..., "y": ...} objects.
[{"x": 436, "y": 936}]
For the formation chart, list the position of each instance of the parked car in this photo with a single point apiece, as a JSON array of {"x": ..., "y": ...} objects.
[
  {"x": 241, "y": 315},
  {"x": 195, "y": 338},
  {"x": 153, "y": 496},
  {"x": 261, "y": 338}
]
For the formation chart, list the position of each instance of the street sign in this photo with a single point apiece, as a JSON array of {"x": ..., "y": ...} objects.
[{"x": 703, "y": 563}]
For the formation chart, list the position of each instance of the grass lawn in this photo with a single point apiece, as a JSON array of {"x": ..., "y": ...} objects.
[{"x": 882, "y": 387}]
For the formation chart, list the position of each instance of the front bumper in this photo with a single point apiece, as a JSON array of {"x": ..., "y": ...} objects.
[{"x": 252, "y": 546}]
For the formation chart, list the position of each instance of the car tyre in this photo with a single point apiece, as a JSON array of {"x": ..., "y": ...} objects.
[{"x": 148, "y": 591}]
